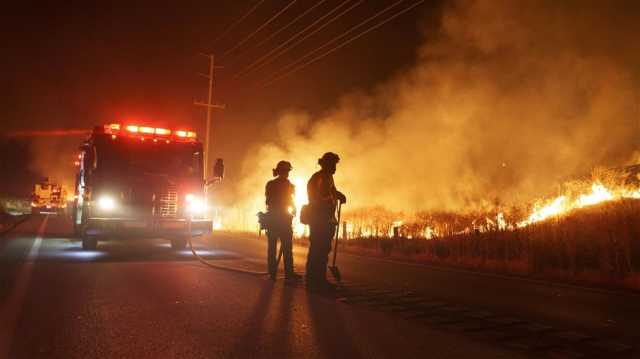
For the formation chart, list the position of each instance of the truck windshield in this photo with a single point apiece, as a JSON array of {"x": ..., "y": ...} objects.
[{"x": 156, "y": 158}]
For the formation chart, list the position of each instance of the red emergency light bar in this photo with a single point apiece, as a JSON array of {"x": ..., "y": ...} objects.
[
  {"x": 186, "y": 134},
  {"x": 116, "y": 129}
]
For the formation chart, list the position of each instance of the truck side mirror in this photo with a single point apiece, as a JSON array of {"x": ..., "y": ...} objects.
[
  {"x": 218, "y": 172},
  {"x": 218, "y": 169}
]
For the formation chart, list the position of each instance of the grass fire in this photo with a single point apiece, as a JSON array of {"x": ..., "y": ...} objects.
[
  {"x": 489, "y": 135},
  {"x": 586, "y": 233}
]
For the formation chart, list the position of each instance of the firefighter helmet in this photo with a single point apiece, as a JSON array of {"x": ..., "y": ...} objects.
[
  {"x": 282, "y": 166},
  {"x": 328, "y": 158}
]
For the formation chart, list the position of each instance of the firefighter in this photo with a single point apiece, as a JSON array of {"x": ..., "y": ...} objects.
[
  {"x": 323, "y": 199},
  {"x": 281, "y": 209}
]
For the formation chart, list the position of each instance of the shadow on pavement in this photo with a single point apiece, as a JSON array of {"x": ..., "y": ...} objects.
[
  {"x": 329, "y": 330},
  {"x": 254, "y": 331},
  {"x": 283, "y": 322}
]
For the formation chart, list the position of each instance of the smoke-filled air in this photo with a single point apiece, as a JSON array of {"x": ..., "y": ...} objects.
[
  {"x": 507, "y": 100},
  {"x": 53, "y": 158}
]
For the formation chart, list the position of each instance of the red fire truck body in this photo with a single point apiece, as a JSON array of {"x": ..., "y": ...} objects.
[{"x": 137, "y": 181}]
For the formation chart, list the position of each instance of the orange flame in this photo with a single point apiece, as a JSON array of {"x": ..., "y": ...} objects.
[{"x": 562, "y": 204}]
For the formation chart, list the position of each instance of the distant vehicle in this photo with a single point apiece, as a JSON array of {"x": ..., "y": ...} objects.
[
  {"x": 48, "y": 197},
  {"x": 140, "y": 181}
]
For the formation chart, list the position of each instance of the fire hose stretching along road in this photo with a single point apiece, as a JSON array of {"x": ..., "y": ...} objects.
[{"x": 218, "y": 266}]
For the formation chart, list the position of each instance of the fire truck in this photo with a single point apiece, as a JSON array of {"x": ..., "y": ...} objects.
[
  {"x": 48, "y": 197},
  {"x": 138, "y": 181}
]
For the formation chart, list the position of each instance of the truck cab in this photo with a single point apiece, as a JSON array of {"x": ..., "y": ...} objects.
[{"x": 138, "y": 181}]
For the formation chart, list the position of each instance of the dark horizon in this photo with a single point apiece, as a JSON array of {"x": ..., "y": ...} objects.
[{"x": 79, "y": 64}]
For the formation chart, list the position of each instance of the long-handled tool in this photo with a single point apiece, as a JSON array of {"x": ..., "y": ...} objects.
[
  {"x": 279, "y": 256},
  {"x": 334, "y": 269}
]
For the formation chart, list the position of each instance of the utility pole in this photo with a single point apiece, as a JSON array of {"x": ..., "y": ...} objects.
[{"x": 210, "y": 106}]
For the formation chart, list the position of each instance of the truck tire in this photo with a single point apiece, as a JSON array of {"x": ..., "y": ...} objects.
[
  {"x": 78, "y": 229},
  {"x": 89, "y": 243},
  {"x": 178, "y": 243}
]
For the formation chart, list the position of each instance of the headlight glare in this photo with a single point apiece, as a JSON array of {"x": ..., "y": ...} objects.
[
  {"x": 106, "y": 203},
  {"x": 195, "y": 204}
]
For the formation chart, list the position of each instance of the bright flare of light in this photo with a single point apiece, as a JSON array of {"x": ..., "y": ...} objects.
[
  {"x": 217, "y": 224},
  {"x": 195, "y": 205},
  {"x": 299, "y": 199},
  {"x": 106, "y": 203}
]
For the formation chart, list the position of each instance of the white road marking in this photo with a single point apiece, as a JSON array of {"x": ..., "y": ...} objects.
[{"x": 12, "y": 307}]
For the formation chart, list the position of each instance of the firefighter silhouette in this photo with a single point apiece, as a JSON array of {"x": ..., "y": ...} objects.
[
  {"x": 281, "y": 209},
  {"x": 323, "y": 199}
]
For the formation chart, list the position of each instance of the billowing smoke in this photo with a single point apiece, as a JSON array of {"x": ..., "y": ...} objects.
[{"x": 508, "y": 99}]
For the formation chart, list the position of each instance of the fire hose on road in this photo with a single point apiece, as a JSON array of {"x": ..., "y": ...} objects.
[
  {"x": 333, "y": 268},
  {"x": 218, "y": 266}
]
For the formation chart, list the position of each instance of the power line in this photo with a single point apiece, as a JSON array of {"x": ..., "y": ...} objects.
[
  {"x": 274, "y": 54},
  {"x": 291, "y": 23},
  {"x": 334, "y": 40},
  {"x": 282, "y": 48},
  {"x": 234, "y": 48},
  {"x": 236, "y": 23},
  {"x": 334, "y": 49}
]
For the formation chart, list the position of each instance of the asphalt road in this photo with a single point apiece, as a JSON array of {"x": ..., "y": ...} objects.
[
  {"x": 598, "y": 311},
  {"x": 142, "y": 299}
]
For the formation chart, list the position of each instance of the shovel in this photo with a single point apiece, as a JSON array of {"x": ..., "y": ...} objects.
[{"x": 334, "y": 269}]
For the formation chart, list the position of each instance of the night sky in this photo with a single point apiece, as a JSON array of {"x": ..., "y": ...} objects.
[{"x": 75, "y": 64}]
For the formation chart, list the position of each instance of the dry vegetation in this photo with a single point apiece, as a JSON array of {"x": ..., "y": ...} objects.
[{"x": 597, "y": 245}]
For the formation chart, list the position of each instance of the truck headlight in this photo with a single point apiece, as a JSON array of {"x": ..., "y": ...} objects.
[
  {"x": 106, "y": 203},
  {"x": 195, "y": 204}
]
